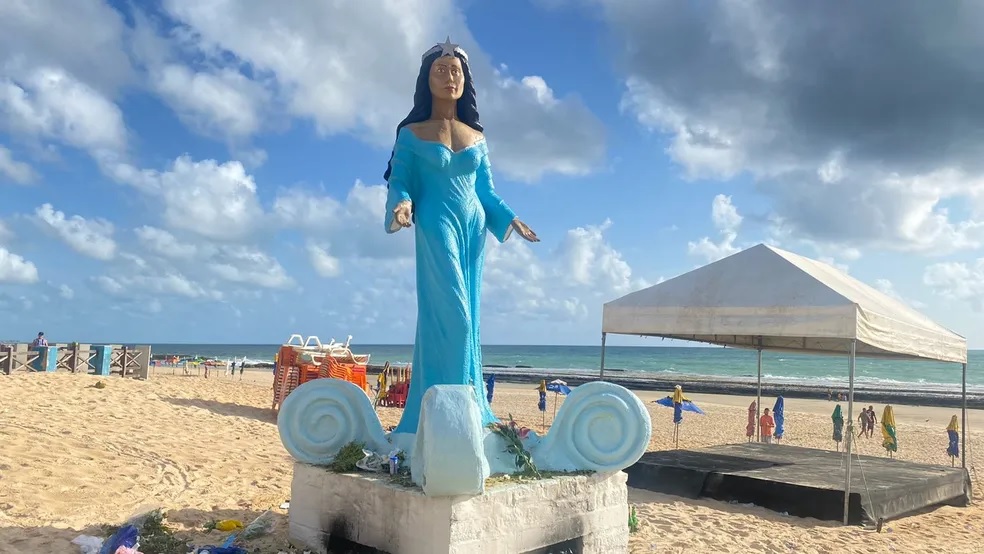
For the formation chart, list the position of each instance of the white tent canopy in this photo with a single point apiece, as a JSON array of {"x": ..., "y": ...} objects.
[
  {"x": 769, "y": 299},
  {"x": 786, "y": 301}
]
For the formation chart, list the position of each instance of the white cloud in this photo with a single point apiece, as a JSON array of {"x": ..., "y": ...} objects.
[
  {"x": 173, "y": 266},
  {"x": 568, "y": 284},
  {"x": 212, "y": 200},
  {"x": 958, "y": 281},
  {"x": 324, "y": 264},
  {"x": 18, "y": 172},
  {"x": 15, "y": 269},
  {"x": 5, "y": 233},
  {"x": 93, "y": 238},
  {"x": 316, "y": 56},
  {"x": 51, "y": 104},
  {"x": 828, "y": 155},
  {"x": 353, "y": 226},
  {"x": 85, "y": 38},
  {"x": 166, "y": 283},
  {"x": 241, "y": 264},
  {"x": 727, "y": 221},
  {"x": 222, "y": 103},
  {"x": 164, "y": 244},
  {"x": 66, "y": 292}
]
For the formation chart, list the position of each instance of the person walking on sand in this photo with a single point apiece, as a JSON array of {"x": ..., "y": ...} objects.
[
  {"x": 766, "y": 425},
  {"x": 872, "y": 421},
  {"x": 863, "y": 421}
]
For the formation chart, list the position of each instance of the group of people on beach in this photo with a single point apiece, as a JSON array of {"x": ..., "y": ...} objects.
[{"x": 868, "y": 420}]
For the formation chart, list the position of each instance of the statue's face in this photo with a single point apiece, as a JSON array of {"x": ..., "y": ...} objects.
[{"x": 447, "y": 80}]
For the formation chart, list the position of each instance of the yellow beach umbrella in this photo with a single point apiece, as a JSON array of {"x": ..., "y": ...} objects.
[
  {"x": 890, "y": 441},
  {"x": 678, "y": 395}
]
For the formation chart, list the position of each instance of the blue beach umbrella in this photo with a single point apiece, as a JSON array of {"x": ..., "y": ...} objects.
[
  {"x": 558, "y": 387},
  {"x": 778, "y": 414},
  {"x": 680, "y": 404},
  {"x": 489, "y": 387},
  {"x": 953, "y": 433},
  {"x": 685, "y": 406}
]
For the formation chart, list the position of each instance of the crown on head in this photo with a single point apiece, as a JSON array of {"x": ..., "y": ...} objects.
[{"x": 446, "y": 48}]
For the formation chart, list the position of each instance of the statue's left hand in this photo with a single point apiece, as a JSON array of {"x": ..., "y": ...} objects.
[{"x": 524, "y": 230}]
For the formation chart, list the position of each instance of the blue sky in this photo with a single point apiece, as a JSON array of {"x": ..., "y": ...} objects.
[{"x": 210, "y": 170}]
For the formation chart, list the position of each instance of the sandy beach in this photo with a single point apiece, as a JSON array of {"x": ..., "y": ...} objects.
[{"x": 74, "y": 456}]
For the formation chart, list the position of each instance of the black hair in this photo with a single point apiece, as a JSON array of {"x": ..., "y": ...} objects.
[{"x": 423, "y": 101}]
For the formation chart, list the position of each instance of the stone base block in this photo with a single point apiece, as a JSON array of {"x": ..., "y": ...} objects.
[{"x": 340, "y": 513}]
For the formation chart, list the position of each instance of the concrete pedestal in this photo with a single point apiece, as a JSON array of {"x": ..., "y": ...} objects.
[{"x": 367, "y": 513}]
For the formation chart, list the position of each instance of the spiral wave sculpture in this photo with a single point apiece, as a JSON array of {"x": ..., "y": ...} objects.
[
  {"x": 601, "y": 427},
  {"x": 321, "y": 416}
]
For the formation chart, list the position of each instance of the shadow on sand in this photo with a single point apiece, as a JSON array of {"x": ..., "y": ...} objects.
[{"x": 226, "y": 408}]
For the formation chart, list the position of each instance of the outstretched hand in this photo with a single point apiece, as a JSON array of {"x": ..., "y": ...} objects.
[
  {"x": 401, "y": 213},
  {"x": 524, "y": 230}
]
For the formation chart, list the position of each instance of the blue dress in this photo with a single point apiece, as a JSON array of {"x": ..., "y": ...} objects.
[{"x": 454, "y": 202}]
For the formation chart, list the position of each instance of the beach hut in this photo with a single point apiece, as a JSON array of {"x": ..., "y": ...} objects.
[{"x": 765, "y": 298}]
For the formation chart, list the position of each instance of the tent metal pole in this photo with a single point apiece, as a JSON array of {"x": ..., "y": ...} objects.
[
  {"x": 604, "y": 336},
  {"x": 758, "y": 401},
  {"x": 848, "y": 451},
  {"x": 963, "y": 417}
]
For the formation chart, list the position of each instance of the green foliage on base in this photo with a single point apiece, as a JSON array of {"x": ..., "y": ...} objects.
[
  {"x": 347, "y": 457},
  {"x": 633, "y": 520},
  {"x": 514, "y": 435},
  {"x": 156, "y": 537}
]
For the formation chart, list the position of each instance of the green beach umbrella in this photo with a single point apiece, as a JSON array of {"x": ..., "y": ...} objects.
[{"x": 838, "y": 418}]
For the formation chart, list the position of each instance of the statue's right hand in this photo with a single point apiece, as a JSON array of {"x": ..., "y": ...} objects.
[{"x": 401, "y": 213}]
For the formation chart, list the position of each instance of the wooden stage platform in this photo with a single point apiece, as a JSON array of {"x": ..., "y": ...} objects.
[{"x": 804, "y": 482}]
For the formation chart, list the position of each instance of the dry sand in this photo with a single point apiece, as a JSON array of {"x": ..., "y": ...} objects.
[{"x": 73, "y": 456}]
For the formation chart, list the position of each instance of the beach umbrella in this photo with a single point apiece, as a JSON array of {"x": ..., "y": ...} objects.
[
  {"x": 381, "y": 386},
  {"x": 838, "y": 419},
  {"x": 953, "y": 432},
  {"x": 542, "y": 403},
  {"x": 779, "y": 417},
  {"x": 889, "y": 441},
  {"x": 489, "y": 387},
  {"x": 677, "y": 414},
  {"x": 750, "y": 428},
  {"x": 685, "y": 406},
  {"x": 680, "y": 404},
  {"x": 677, "y": 405},
  {"x": 558, "y": 387}
]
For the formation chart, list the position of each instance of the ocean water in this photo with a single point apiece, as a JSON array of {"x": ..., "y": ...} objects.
[{"x": 713, "y": 362}]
